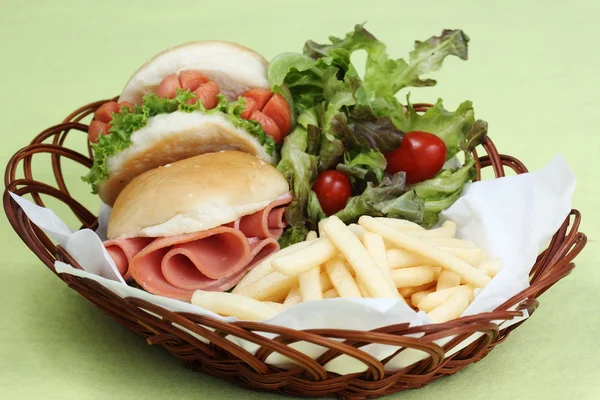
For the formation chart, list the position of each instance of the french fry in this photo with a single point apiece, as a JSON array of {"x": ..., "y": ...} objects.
[
  {"x": 401, "y": 224},
  {"x": 447, "y": 230},
  {"x": 447, "y": 279},
  {"x": 322, "y": 233},
  {"x": 264, "y": 268},
  {"x": 363, "y": 289},
  {"x": 310, "y": 285},
  {"x": 316, "y": 253},
  {"x": 325, "y": 282},
  {"x": 358, "y": 230},
  {"x": 273, "y": 287},
  {"x": 312, "y": 235},
  {"x": 450, "y": 241},
  {"x": 376, "y": 249},
  {"x": 491, "y": 266},
  {"x": 413, "y": 276},
  {"x": 341, "y": 279},
  {"x": 279, "y": 307},
  {"x": 471, "y": 274},
  {"x": 229, "y": 304},
  {"x": 452, "y": 308},
  {"x": 472, "y": 256},
  {"x": 330, "y": 294},
  {"x": 358, "y": 258},
  {"x": 417, "y": 297},
  {"x": 435, "y": 299},
  {"x": 410, "y": 290},
  {"x": 293, "y": 297},
  {"x": 398, "y": 258}
]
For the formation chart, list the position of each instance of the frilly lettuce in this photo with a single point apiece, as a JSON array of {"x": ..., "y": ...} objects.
[
  {"x": 126, "y": 122},
  {"x": 349, "y": 123}
]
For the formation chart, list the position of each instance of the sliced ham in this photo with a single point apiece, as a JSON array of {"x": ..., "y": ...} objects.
[
  {"x": 267, "y": 222},
  {"x": 215, "y": 259},
  {"x": 122, "y": 252},
  {"x": 259, "y": 250}
]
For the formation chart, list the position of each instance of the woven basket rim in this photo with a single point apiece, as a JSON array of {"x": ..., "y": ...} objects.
[{"x": 223, "y": 358}]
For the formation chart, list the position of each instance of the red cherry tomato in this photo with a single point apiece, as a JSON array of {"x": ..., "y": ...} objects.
[
  {"x": 421, "y": 155},
  {"x": 333, "y": 190}
]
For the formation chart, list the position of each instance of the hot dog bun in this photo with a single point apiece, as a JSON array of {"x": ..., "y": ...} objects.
[
  {"x": 195, "y": 194},
  {"x": 235, "y": 68}
]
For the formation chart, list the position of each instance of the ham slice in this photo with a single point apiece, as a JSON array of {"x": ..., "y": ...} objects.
[
  {"x": 122, "y": 252},
  {"x": 215, "y": 259},
  {"x": 267, "y": 223}
]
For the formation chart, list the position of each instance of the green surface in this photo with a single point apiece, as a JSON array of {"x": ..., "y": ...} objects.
[{"x": 532, "y": 74}]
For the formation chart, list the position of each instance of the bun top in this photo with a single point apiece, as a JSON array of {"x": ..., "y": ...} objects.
[
  {"x": 195, "y": 194},
  {"x": 235, "y": 68}
]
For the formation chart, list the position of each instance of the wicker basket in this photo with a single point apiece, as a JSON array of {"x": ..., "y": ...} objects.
[{"x": 180, "y": 333}]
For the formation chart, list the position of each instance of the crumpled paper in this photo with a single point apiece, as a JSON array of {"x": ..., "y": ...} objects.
[{"x": 511, "y": 218}]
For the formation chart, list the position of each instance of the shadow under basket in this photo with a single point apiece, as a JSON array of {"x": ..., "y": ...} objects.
[{"x": 204, "y": 343}]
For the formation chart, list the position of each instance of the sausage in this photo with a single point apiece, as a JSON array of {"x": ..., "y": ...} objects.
[
  {"x": 260, "y": 96},
  {"x": 207, "y": 93},
  {"x": 126, "y": 104},
  {"x": 191, "y": 79},
  {"x": 278, "y": 109},
  {"x": 104, "y": 113},
  {"x": 96, "y": 129},
  {"x": 268, "y": 125},
  {"x": 250, "y": 108},
  {"x": 168, "y": 87}
]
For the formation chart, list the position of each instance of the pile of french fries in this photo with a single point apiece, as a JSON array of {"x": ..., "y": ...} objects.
[{"x": 431, "y": 270}]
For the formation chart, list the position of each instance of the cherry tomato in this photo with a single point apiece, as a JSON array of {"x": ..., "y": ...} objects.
[
  {"x": 333, "y": 190},
  {"x": 421, "y": 155}
]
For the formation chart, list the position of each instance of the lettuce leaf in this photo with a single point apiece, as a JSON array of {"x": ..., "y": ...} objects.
[
  {"x": 388, "y": 198},
  {"x": 384, "y": 77},
  {"x": 451, "y": 127},
  {"x": 126, "y": 122},
  {"x": 300, "y": 170},
  {"x": 441, "y": 191},
  {"x": 368, "y": 165},
  {"x": 362, "y": 129},
  {"x": 315, "y": 211},
  {"x": 292, "y": 235}
]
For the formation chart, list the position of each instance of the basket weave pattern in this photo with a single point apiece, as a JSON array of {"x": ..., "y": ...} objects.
[{"x": 180, "y": 333}]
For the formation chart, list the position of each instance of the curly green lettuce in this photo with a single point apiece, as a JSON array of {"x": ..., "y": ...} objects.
[
  {"x": 351, "y": 122},
  {"x": 126, "y": 122}
]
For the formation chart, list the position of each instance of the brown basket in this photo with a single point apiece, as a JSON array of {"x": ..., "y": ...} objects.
[{"x": 221, "y": 357}]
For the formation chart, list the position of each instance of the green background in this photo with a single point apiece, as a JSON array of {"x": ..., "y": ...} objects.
[{"x": 532, "y": 74}]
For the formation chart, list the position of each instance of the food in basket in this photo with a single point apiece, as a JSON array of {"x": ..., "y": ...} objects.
[
  {"x": 191, "y": 99},
  {"x": 345, "y": 149}
]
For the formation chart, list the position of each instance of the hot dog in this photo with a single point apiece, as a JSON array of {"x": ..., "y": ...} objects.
[{"x": 209, "y": 75}]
